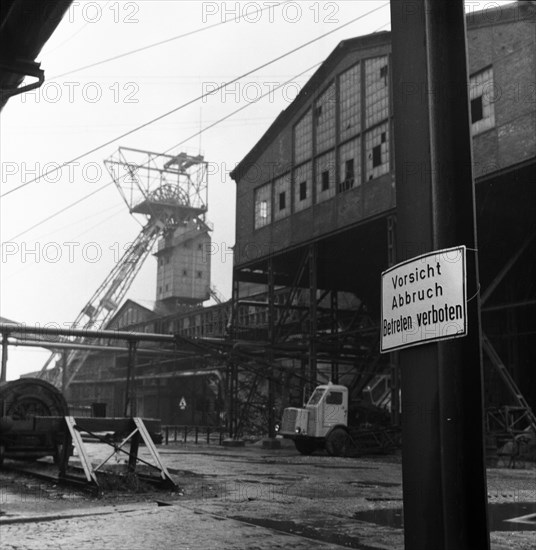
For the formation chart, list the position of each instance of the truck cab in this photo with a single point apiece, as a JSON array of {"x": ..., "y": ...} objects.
[{"x": 322, "y": 421}]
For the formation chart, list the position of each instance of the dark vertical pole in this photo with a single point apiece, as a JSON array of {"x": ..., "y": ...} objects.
[
  {"x": 229, "y": 400},
  {"x": 236, "y": 403},
  {"x": 312, "y": 316},
  {"x": 64, "y": 372},
  {"x": 304, "y": 386},
  {"x": 271, "y": 339},
  {"x": 232, "y": 412},
  {"x": 204, "y": 415},
  {"x": 334, "y": 333},
  {"x": 134, "y": 447},
  {"x": 395, "y": 367},
  {"x": 130, "y": 394},
  {"x": 3, "y": 372},
  {"x": 442, "y": 415}
]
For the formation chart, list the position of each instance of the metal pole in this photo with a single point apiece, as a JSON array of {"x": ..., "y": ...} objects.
[
  {"x": 232, "y": 410},
  {"x": 334, "y": 332},
  {"x": 17, "y": 330},
  {"x": 63, "y": 372},
  {"x": 130, "y": 401},
  {"x": 3, "y": 372},
  {"x": 312, "y": 316},
  {"x": 444, "y": 476},
  {"x": 271, "y": 338}
]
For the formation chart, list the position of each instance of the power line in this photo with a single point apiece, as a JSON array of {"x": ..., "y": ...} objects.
[
  {"x": 168, "y": 150},
  {"x": 165, "y": 152},
  {"x": 78, "y": 235},
  {"x": 166, "y": 41},
  {"x": 69, "y": 206},
  {"x": 190, "y": 102},
  {"x": 74, "y": 34},
  {"x": 271, "y": 91}
]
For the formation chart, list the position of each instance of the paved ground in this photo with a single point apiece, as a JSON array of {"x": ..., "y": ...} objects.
[{"x": 249, "y": 498}]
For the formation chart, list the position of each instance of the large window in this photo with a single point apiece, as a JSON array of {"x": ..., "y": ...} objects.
[
  {"x": 325, "y": 176},
  {"x": 303, "y": 196},
  {"x": 324, "y": 112},
  {"x": 350, "y": 102},
  {"x": 263, "y": 206},
  {"x": 376, "y": 90},
  {"x": 482, "y": 97},
  {"x": 303, "y": 138},
  {"x": 377, "y": 151},
  {"x": 350, "y": 165},
  {"x": 282, "y": 197}
]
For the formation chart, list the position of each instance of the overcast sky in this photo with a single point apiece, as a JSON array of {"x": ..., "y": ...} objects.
[{"x": 48, "y": 273}]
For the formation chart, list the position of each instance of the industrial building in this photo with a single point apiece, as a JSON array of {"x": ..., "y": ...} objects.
[{"x": 316, "y": 226}]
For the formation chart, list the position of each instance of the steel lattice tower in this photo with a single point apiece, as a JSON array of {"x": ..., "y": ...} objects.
[{"x": 169, "y": 190}]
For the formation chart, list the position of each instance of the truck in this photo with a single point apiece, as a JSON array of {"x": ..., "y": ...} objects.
[{"x": 328, "y": 421}]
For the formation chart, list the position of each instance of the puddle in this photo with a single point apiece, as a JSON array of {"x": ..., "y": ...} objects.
[
  {"x": 390, "y": 517},
  {"x": 513, "y": 516},
  {"x": 516, "y": 516},
  {"x": 316, "y": 533},
  {"x": 260, "y": 482},
  {"x": 374, "y": 484},
  {"x": 286, "y": 478}
]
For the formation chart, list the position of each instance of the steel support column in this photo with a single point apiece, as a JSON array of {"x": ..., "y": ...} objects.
[
  {"x": 3, "y": 372},
  {"x": 271, "y": 338},
  {"x": 130, "y": 392},
  {"x": 312, "y": 377},
  {"x": 64, "y": 372},
  {"x": 444, "y": 476},
  {"x": 232, "y": 368},
  {"x": 334, "y": 334}
]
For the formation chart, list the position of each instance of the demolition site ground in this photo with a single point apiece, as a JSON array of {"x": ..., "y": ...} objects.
[{"x": 244, "y": 498}]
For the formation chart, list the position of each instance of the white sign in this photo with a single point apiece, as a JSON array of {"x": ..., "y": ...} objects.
[
  {"x": 182, "y": 404},
  {"x": 424, "y": 300}
]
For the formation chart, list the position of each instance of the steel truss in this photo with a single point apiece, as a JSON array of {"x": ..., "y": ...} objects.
[
  {"x": 517, "y": 416},
  {"x": 302, "y": 328}
]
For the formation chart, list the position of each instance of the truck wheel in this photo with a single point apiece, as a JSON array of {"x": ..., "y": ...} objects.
[
  {"x": 338, "y": 442},
  {"x": 305, "y": 446}
]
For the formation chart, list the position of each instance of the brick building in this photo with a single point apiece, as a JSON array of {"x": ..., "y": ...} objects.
[{"x": 319, "y": 190}]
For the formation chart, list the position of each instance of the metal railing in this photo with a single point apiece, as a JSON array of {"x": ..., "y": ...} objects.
[{"x": 192, "y": 434}]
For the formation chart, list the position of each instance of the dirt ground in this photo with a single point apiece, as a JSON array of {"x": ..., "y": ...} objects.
[{"x": 340, "y": 502}]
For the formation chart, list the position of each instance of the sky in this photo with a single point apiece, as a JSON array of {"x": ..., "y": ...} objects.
[{"x": 57, "y": 246}]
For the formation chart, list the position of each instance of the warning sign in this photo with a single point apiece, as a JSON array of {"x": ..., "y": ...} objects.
[
  {"x": 182, "y": 404},
  {"x": 424, "y": 300}
]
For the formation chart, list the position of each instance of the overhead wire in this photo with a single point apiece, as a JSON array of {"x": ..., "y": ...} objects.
[
  {"x": 165, "y": 41},
  {"x": 192, "y": 101},
  {"x": 114, "y": 207},
  {"x": 89, "y": 195},
  {"x": 271, "y": 91},
  {"x": 68, "y": 39},
  {"x": 168, "y": 150},
  {"x": 64, "y": 209}
]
